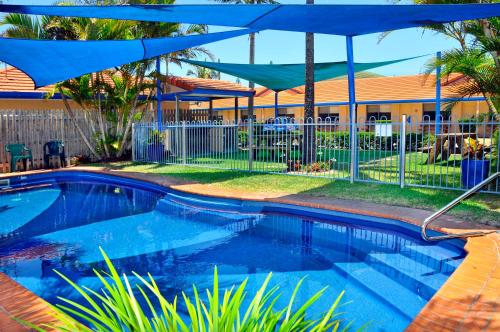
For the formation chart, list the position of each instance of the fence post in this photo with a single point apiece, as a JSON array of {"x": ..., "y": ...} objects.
[
  {"x": 250, "y": 144},
  {"x": 184, "y": 143},
  {"x": 354, "y": 144},
  {"x": 133, "y": 142},
  {"x": 402, "y": 151}
]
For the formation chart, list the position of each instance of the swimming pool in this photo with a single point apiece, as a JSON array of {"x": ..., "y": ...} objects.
[{"x": 57, "y": 221}]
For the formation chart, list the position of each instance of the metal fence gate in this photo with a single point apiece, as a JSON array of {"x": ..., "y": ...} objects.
[{"x": 405, "y": 153}]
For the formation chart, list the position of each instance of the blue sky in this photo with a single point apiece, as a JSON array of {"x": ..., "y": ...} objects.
[{"x": 288, "y": 47}]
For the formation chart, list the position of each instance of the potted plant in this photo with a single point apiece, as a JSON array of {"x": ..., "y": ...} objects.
[
  {"x": 156, "y": 146},
  {"x": 474, "y": 167},
  {"x": 467, "y": 125},
  {"x": 293, "y": 165}
]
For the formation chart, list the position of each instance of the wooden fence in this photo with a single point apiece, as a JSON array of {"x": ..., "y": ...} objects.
[
  {"x": 35, "y": 128},
  {"x": 168, "y": 115}
]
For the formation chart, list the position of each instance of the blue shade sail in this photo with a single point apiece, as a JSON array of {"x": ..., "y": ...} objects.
[
  {"x": 348, "y": 20},
  {"x": 51, "y": 61},
  {"x": 279, "y": 77}
]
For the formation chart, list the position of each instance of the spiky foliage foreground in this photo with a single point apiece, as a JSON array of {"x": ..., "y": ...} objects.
[{"x": 120, "y": 306}]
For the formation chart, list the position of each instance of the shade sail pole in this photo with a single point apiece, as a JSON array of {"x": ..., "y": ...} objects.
[
  {"x": 276, "y": 104},
  {"x": 158, "y": 93},
  {"x": 352, "y": 107},
  {"x": 438, "y": 93}
]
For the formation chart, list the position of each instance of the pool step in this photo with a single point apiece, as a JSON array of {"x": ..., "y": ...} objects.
[
  {"x": 4, "y": 184},
  {"x": 421, "y": 277},
  {"x": 17, "y": 209},
  {"x": 242, "y": 221},
  {"x": 204, "y": 203},
  {"x": 140, "y": 234},
  {"x": 382, "y": 286},
  {"x": 442, "y": 259}
]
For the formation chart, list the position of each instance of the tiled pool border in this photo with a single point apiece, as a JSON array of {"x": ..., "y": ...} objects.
[{"x": 468, "y": 301}]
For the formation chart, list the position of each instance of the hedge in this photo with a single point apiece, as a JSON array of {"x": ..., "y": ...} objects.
[{"x": 341, "y": 140}]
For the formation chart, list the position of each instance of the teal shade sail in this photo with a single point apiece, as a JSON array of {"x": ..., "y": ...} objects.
[
  {"x": 279, "y": 77},
  {"x": 346, "y": 20},
  {"x": 52, "y": 61}
]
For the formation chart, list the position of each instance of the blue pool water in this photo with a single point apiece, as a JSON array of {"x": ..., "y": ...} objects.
[{"x": 58, "y": 221}]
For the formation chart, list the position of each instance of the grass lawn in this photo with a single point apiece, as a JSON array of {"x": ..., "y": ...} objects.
[
  {"x": 481, "y": 208},
  {"x": 374, "y": 165}
]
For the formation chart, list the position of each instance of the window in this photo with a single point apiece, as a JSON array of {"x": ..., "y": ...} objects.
[
  {"x": 332, "y": 117},
  {"x": 244, "y": 115},
  {"x": 284, "y": 112},
  {"x": 378, "y": 112},
  {"x": 331, "y": 112},
  {"x": 429, "y": 113}
]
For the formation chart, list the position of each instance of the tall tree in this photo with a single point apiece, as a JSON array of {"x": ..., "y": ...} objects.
[
  {"x": 477, "y": 56},
  {"x": 251, "y": 37},
  {"x": 480, "y": 75},
  {"x": 309, "y": 141},
  {"x": 112, "y": 95},
  {"x": 202, "y": 72}
]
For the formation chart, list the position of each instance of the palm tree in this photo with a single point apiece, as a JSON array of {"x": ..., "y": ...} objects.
[
  {"x": 87, "y": 92},
  {"x": 25, "y": 26},
  {"x": 251, "y": 61},
  {"x": 477, "y": 58},
  {"x": 202, "y": 72},
  {"x": 309, "y": 146},
  {"x": 479, "y": 71}
]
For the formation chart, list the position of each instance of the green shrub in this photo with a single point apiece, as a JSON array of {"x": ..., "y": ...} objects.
[
  {"x": 340, "y": 140},
  {"x": 368, "y": 140},
  {"x": 117, "y": 308},
  {"x": 155, "y": 136},
  {"x": 495, "y": 156}
]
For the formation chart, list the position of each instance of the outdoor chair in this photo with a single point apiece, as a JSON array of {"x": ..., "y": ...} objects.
[
  {"x": 19, "y": 152},
  {"x": 54, "y": 149}
]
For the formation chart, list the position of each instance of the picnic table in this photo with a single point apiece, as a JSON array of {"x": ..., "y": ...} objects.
[{"x": 446, "y": 144}]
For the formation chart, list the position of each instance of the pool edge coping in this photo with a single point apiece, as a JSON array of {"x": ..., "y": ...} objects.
[{"x": 466, "y": 302}]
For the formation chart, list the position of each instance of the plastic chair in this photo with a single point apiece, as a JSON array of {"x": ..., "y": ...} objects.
[
  {"x": 54, "y": 149},
  {"x": 19, "y": 152}
]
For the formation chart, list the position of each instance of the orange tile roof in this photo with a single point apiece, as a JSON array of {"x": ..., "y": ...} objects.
[
  {"x": 191, "y": 83},
  {"x": 12, "y": 79},
  {"x": 386, "y": 88},
  {"x": 15, "y": 80}
]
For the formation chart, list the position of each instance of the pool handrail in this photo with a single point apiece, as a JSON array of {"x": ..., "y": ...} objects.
[{"x": 451, "y": 205}]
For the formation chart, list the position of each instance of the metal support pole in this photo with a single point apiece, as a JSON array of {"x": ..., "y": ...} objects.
[
  {"x": 176, "y": 126},
  {"x": 158, "y": 93},
  {"x": 438, "y": 93},
  {"x": 402, "y": 152},
  {"x": 276, "y": 113},
  {"x": 250, "y": 144},
  {"x": 133, "y": 143},
  {"x": 352, "y": 108},
  {"x": 184, "y": 143}
]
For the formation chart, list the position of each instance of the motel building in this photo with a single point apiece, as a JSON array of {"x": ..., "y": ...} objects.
[{"x": 378, "y": 98}]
